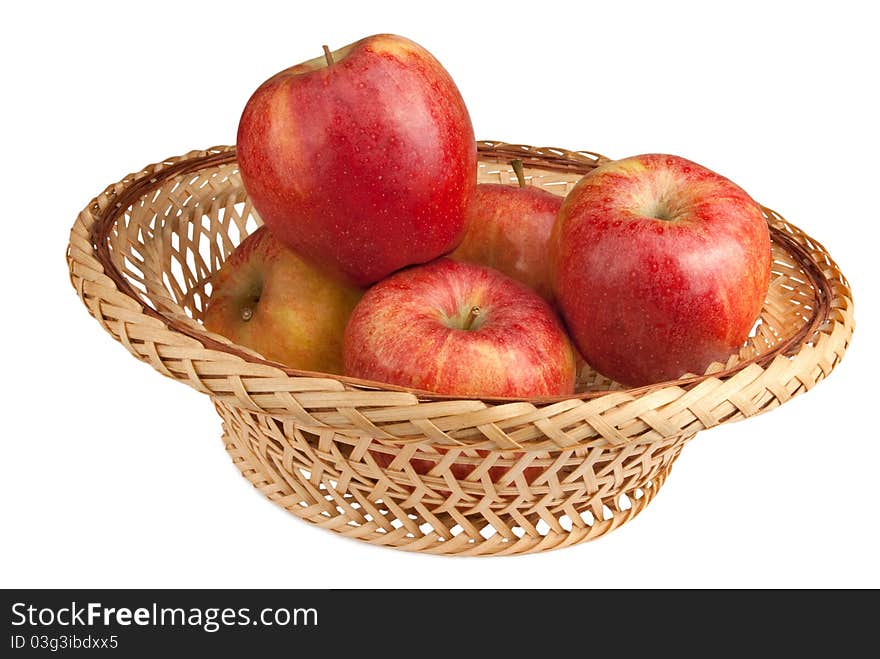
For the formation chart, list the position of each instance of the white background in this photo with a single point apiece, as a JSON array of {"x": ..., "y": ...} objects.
[{"x": 114, "y": 476}]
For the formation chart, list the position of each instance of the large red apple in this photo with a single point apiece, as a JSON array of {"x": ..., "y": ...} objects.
[
  {"x": 661, "y": 267},
  {"x": 509, "y": 229},
  {"x": 363, "y": 158},
  {"x": 269, "y": 299},
  {"x": 461, "y": 329}
]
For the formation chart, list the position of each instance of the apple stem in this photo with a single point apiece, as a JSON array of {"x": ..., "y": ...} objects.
[
  {"x": 328, "y": 55},
  {"x": 471, "y": 317},
  {"x": 518, "y": 170}
]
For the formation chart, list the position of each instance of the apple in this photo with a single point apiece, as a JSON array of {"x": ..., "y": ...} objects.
[
  {"x": 363, "y": 158},
  {"x": 461, "y": 329},
  {"x": 661, "y": 267},
  {"x": 269, "y": 299},
  {"x": 509, "y": 229}
]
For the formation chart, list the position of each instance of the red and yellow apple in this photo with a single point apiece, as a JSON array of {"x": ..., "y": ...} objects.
[
  {"x": 461, "y": 329},
  {"x": 661, "y": 267},
  {"x": 509, "y": 229},
  {"x": 364, "y": 158},
  {"x": 269, "y": 299}
]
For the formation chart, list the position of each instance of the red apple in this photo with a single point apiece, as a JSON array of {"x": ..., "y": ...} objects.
[
  {"x": 461, "y": 329},
  {"x": 509, "y": 229},
  {"x": 661, "y": 267},
  {"x": 363, "y": 158},
  {"x": 269, "y": 299}
]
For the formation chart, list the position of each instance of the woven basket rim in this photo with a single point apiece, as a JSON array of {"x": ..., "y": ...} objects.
[{"x": 544, "y": 158}]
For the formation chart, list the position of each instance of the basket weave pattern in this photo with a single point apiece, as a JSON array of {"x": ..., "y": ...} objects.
[{"x": 141, "y": 256}]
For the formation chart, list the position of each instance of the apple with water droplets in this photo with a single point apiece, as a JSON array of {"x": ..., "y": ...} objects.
[
  {"x": 509, "y": 229},
  {"x": 363, "y": 158},
  {"x": 660, "y": 267},
  {"x": 460, "y": 329}
]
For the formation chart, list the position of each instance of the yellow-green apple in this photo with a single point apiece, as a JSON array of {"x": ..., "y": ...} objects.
[
  {"x": 461, "y": 329},
  {"x": 363, "y": 158},
  {"x": 269, "y": 299},
  {"x": 661, "y": 267},
  {"x": 509, "y": 229}
]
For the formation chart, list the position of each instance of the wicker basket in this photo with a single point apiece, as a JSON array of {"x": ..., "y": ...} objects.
[{"x": 141, "y": 256}]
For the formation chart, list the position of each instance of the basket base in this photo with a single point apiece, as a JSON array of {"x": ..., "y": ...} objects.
[{"x": 319, "y": 483}]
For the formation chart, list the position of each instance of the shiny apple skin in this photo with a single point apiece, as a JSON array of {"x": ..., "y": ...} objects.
[
  {"x": 406, "y": 330},
  {"x": 509, "y": 229},
  {"x": 298, "y": 311},
  {"x": 367, "y": 165},
  {"x": 648, "y": 299}
]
